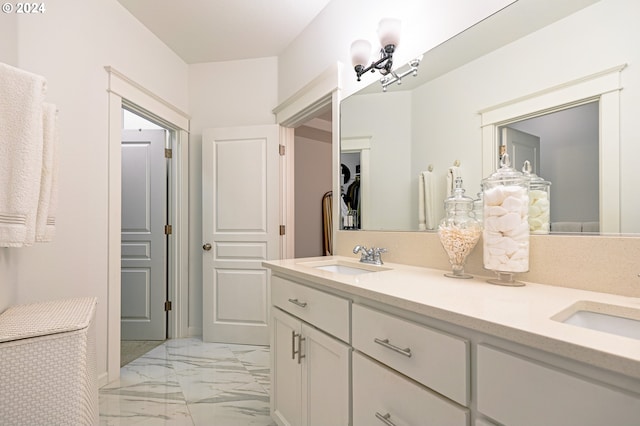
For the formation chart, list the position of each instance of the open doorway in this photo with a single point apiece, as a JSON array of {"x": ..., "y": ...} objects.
[
  {"x": 146, "y": 168},
  {"x": 567, "y": 155},
  {"x": 313, "y": 184}
]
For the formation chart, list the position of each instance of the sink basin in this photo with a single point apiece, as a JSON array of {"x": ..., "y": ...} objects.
[
  {"x": 611, "y": 319},
  {"x": 344, "y": 267}
]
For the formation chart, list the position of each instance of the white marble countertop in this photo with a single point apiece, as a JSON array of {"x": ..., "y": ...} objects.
[{"x": 519, "y": 314}]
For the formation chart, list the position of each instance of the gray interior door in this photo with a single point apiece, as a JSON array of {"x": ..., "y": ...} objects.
[
  {"x": 521, "y": 147},
  {"x": 144, "y": 248}
]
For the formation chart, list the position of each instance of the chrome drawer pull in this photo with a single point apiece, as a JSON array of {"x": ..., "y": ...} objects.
[
  {"x": 385, "y": 419},
  {"x": 298, "y": 303},
  {"x": 406, "y": 352}
]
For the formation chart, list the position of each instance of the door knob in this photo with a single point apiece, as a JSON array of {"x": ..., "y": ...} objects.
[{"x": 206, "y": 247}]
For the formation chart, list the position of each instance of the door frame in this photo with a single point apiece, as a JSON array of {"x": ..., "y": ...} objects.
[
  {"x": 124, "y": 92},
  {"x": 323, "y": 90}
]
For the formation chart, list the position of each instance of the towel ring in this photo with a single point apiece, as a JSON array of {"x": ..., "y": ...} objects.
[
  {"x": 430, "y": 168},
  {"x": 456, "y": 163}
]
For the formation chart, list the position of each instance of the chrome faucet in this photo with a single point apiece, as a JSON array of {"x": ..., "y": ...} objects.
[{"x": 372, "y": 255}]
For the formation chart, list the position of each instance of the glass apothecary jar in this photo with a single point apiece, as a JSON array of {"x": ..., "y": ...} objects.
[
  {"x": 539, "y": 201},
  {"x": 506, "y": 226},
  {"x": 459, "y": 231}
]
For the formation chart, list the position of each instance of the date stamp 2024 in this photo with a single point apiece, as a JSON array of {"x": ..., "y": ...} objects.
[{"x": 24, "y": 8}]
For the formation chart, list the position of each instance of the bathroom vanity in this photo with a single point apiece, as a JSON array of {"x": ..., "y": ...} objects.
[{"x": 357, "y": 344}]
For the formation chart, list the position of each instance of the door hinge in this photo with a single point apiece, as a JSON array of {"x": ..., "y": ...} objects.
[
  {"x": 168, "y": 229},
  {"x": 167, "y": 306},
  {"x": 281, "y": 229},
  {"x": 168, "y": 153},
  {"x": 281, "y": 149}
]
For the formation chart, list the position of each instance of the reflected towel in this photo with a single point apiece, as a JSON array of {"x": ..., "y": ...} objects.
[
  {"x": 422, "y": 221},
  {"x": 47, "y": 205},
  {"x": 426, "y": 210},
  {"x": 452, "y": 173},
  {"x": 21, "y": 98}
]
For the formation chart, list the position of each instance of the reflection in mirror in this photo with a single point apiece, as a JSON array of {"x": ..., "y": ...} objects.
[
  {"x": 562, "y": 148},
  {"x": 455, "y": 111}
]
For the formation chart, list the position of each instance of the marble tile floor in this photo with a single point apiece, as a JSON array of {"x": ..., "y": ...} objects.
[{"x": 189, "y": 382}]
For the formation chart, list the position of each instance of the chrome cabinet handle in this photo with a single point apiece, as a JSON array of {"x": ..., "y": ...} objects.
[
  {"x": 300, "y": 340},
  {"x": 293, "y": 346},
  {"x": 298, "y": 303},
  {"x": 206, "y": 247},
  {"x": 406, "y": 351},
  {"x": 385, "y": 419}
]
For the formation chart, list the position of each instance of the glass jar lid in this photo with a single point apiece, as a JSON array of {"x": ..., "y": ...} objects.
[
  {"x": 534, "y": 179},
  {"x": 457, "y": 200},
  {"x": 504, "y": 175}
]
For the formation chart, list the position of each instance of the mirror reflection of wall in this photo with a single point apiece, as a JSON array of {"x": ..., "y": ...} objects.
[
  {"x": 568, "y": 158},
  {"x": 437, "y": 118}
]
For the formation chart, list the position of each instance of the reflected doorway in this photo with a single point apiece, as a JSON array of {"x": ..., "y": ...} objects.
[{"x": 568, "y": 157}]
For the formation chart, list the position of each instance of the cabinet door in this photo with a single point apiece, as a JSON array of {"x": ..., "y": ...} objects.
[
  {"x": 325, "y": 380},
  {"x": 286, "y": 376}
]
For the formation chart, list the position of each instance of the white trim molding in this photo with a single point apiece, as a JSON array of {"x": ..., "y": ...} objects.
[{"x": 604, "y": 87}]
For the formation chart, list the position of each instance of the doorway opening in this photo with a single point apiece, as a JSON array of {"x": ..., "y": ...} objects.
[
  {"x": 313, "y": 185},
  {"x": 562, "y": 147},
  {"x": 145, "y": 230}
]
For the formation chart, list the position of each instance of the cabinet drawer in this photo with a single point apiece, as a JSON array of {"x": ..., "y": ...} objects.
[
  {"x": 433, "y": 358},
  {"x": 325, "y": 311},
  {"x": 517, "y": 391},
  {"x": 379, "y": 391}
]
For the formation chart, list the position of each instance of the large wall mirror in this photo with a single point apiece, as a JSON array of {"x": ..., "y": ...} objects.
[{"x": 567, "y": 73}]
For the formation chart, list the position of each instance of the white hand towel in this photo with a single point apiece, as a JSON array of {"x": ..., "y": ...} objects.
[
  {"x": 430, "y": 218},
  {"x": 21, "y": 97},
  {"x": 452, "y": 174},
  {"x": 422, "y": 225},
  {"x": 47, "y": 205}
]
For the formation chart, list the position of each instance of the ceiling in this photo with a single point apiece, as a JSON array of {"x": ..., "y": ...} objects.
[{"x": 225, "y": 30}]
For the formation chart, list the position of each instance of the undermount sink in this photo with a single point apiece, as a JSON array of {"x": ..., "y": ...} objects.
[
  {"x": 343, "y": 267},
  {"x": 611, "y": 319}
]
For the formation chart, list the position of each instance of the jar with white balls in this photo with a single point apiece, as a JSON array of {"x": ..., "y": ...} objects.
[
  {"x": 506, "y": 226},
  {"x": 459, "y": 231},
  {"x": 539, "y": 201}
]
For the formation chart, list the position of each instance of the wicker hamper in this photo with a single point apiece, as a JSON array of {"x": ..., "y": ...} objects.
[{"x": 48, "y": 364}]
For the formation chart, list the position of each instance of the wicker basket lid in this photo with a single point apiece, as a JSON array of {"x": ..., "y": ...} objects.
[{"x": 43, "y": 318}]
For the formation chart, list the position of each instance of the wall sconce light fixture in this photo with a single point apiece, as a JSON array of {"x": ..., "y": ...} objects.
[{"x": 389, "y": 35}]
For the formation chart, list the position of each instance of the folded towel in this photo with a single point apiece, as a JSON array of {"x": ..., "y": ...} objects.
[
  {"x": 422, "y": 224},
  {"x": 429, "y": 200},
  {"x": 47, "y": 205},
  {"x": 21, "y": 130},
  {"x": 426, "y": 210},
  {"x": 452, "y": 174}
]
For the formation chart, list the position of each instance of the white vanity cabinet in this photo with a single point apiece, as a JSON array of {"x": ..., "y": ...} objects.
[
  {"x": 515, "y": 390},
  {"x": 436, "y": 360},
  {"x": 310, "y": 368}
]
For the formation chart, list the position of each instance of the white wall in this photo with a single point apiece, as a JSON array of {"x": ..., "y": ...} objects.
[
  {"x": 221, "y": 94},
  {"x": 69, "y": 45},
  {"x": 592, "y": 40}
]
